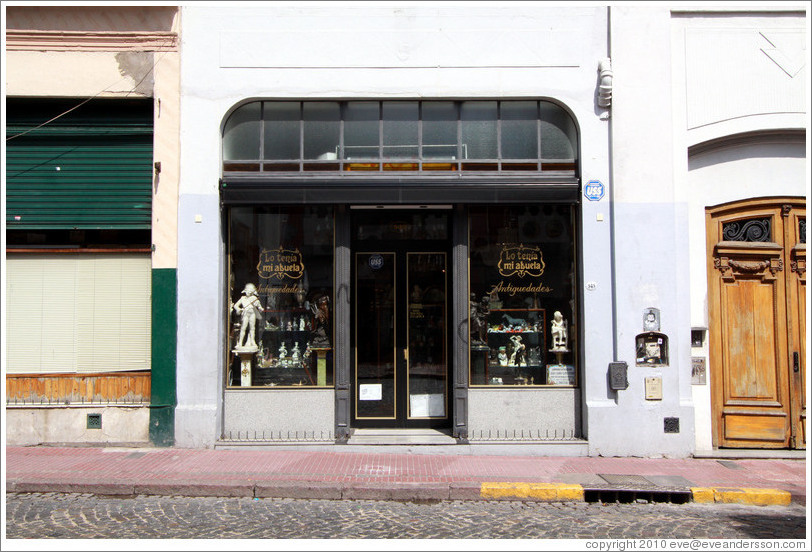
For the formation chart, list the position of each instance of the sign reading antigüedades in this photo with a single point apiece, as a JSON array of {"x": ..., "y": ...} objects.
[
  {"x": 281, "y": 264},
  {"x": 521, "y": 261}
]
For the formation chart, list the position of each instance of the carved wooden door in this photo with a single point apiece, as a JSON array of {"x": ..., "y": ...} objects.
[{"x": 756, "y": 293}]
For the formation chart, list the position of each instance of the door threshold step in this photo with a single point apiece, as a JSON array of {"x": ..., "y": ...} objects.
[{"x": 400, "y": 437}]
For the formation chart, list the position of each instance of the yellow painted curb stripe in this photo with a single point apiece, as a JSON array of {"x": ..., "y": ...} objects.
[
  {"x": 548, "y": 492},
  {"x": 726, "y": 495}
]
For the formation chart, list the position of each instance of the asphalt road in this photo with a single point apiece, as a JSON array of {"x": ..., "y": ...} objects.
[{"x": 84, "y": 516}]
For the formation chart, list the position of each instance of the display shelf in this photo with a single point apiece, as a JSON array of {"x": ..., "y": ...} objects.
[{"x": 515, "y": 352}]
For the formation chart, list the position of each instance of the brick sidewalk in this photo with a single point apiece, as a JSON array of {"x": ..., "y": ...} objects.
[{"x": 303, "y": 473}]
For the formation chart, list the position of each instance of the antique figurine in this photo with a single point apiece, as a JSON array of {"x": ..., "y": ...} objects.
[
  {"x": 295, "y": 354},
  {"x": 321, "y": 330},
  {"x": 512, "y": 322},
  {"x": 479, "y": 318},
  {"x": 517, "y": 358},
  {"x": 503, "y": 358},
  {"x": 534, "y": 356},
  {"x": 559, "y": 333},
  {"x": 283, "y": 353},
  {"x": 300, "y": 294},
  {"x": 248, "y": 307}
]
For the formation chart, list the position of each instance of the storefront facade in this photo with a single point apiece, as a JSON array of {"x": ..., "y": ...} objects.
[
  {"x": 452, "y": 264},
  {"x": 434, "y": 219},
  {"x": 92, "y": 127}
]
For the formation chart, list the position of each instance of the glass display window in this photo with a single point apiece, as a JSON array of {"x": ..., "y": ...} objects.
[
  {"x": 280, "y": 297},
  {"x": 523, "y": 324}
]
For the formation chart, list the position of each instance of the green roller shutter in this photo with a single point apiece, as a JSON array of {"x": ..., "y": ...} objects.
[{"x": 89, "y": 169}]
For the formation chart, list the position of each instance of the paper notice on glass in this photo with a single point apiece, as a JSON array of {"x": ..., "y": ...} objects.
[
  {"x": 370, "y": 392},
  {"x": 423, "y": 406}
]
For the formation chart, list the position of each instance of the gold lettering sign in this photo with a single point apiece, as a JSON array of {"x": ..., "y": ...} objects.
[
  {"x": 266, "y": 289},
  {"x": 521, "y": 261},
  {"x": 280, "y": 263},
  {"x": 510, "y": 289}
]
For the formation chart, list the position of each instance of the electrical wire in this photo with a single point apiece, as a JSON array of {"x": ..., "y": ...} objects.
[{"x": 151, "y": 69}]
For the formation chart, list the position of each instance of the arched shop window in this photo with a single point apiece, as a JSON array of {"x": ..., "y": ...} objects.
[{"x": 507, "y": 136}]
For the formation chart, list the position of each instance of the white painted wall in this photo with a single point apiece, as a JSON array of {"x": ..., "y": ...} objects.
[{"x": 649, "y": 251}]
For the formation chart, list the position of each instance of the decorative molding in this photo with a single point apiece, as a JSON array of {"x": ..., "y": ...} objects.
[
  {"x": 91, "y": 41},
  {"x": 790, "y": 60},
  {"x": 750, "y": 267},
  {"x": 731, "y": 267},
  {"x": 798, "y": 266},
  {"x": 774, "y": 136}
]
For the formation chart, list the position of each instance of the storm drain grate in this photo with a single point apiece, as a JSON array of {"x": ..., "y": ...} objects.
[
  {"x": 628, "y": 496},
  {"x": 635, "y": 488}
]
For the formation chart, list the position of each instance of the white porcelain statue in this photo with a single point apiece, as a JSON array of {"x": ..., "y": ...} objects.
[
  {"x": 559, "y": 332},
  {"x": 249, "y": 308}
]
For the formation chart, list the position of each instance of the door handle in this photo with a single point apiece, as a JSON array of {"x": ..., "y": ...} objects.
[
  {"x": 406, "y": 355},
  {"x": 796, "y": 362}
]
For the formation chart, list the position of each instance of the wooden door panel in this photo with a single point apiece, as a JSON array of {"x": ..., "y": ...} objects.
[
  {"x": 749, "y": 343},
  {"x": 753, "y": 427}
]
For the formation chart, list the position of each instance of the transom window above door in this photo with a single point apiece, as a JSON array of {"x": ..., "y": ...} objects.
[{"x": 411, "y": 136}]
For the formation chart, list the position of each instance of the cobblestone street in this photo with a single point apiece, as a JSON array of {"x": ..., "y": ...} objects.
[{"x": 75, "y": 516}]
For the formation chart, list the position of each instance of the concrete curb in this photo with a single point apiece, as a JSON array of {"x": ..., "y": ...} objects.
[
  {"x": 741, "y": 495},
  {"x": 399, "y": 491},
  {"x": 543, "y": 492}
]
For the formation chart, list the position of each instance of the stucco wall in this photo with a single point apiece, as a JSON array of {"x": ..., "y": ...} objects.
[{"x": 45, "y": 425}]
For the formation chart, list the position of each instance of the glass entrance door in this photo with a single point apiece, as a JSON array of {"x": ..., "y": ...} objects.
[{"x": 400, "y": 319}]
